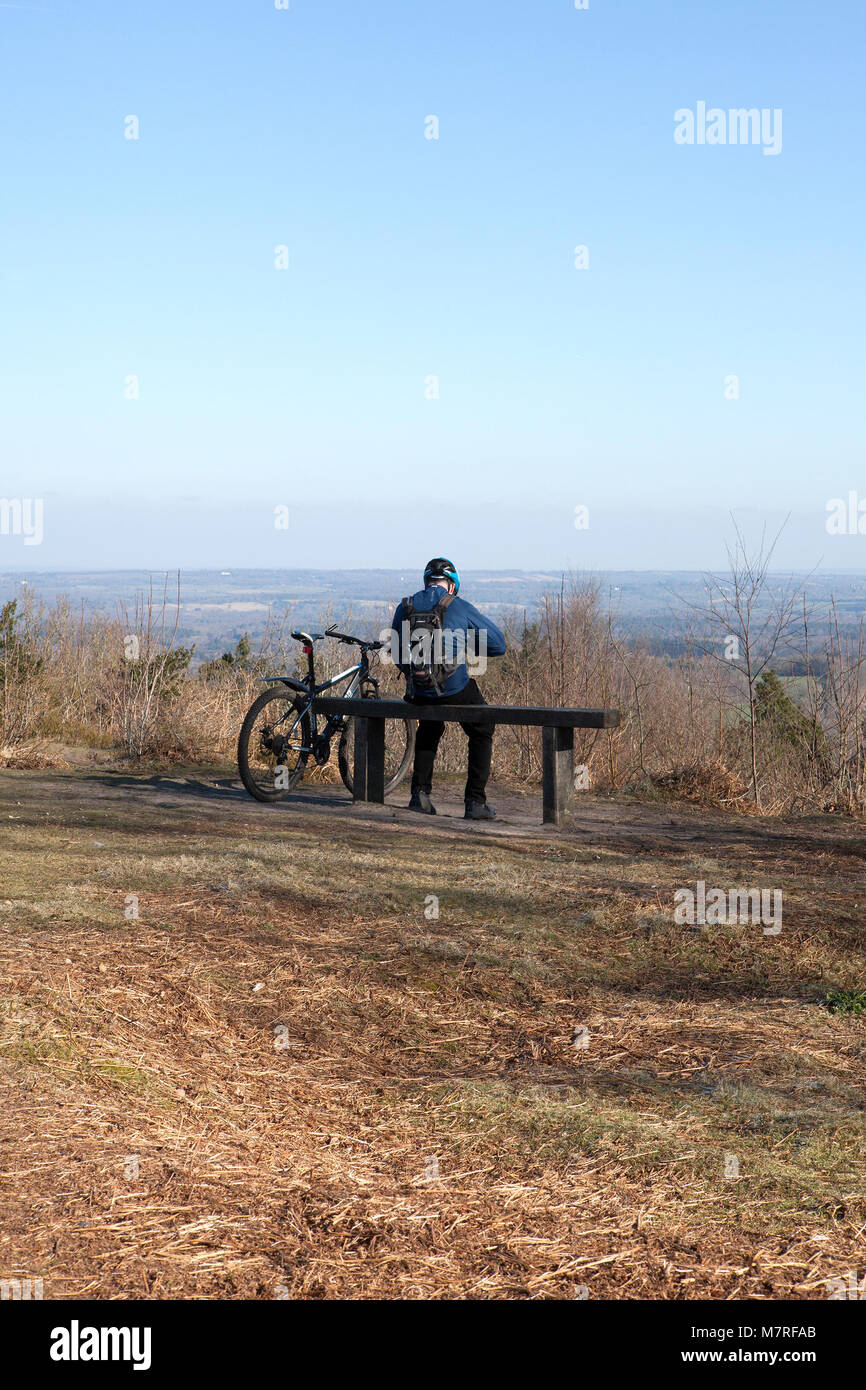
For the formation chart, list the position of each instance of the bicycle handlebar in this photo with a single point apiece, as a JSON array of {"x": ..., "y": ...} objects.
[{"x": 347, "y": 637}]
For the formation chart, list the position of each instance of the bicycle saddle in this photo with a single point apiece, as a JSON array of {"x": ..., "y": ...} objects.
[{"x": 308, "y": 636}]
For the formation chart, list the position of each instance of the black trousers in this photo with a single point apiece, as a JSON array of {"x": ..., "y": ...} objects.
[{"x": 480, "y": 738}]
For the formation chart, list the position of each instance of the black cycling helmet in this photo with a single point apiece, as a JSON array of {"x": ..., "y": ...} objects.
[{"x": 440, "y": 568}]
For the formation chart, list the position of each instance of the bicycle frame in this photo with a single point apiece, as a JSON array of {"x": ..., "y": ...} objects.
[{"x": 356, "y": 675}]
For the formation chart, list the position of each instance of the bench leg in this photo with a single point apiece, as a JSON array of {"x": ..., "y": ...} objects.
[
  {"x": 368, "y": 773},
  {"x": 375, "y": 760},
  {"x": 557, "y": 774}
]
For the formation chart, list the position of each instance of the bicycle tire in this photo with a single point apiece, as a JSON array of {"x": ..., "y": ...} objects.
[{"x": 255, "y": 789}]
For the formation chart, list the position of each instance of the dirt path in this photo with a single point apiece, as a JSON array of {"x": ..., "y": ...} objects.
[{"x": 216, "y": 796}]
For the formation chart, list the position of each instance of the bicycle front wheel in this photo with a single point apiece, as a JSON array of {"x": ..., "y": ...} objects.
[{"x": 399, "y": 751}]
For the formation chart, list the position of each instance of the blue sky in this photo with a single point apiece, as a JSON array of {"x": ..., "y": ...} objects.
[{"x": 413, "y": 258}]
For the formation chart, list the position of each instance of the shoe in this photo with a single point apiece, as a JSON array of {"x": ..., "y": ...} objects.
[
  {"x": 478, "y": 810},
  {"x": 420, "y": 801}
]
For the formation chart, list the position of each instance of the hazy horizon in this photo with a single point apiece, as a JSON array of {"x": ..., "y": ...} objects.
[
  {"x": 218, "y": 606},
  {"x": 192, "y": 534},
  {"x": 533, "y": 571}
]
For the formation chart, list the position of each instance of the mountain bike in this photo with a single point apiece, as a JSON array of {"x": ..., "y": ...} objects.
[{"x": 281, "y": 731}]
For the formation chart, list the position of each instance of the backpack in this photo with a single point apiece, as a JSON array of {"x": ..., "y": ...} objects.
[{"x": 428, "y": 668}]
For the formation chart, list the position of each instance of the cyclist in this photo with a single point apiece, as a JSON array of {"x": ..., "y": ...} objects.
[{"x": 438, "y": 603}]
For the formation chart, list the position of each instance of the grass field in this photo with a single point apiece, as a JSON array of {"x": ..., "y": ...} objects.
[{"x": 243, "y": 1057}]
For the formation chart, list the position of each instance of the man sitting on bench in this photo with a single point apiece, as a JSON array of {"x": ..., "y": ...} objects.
[{"x": 433, "y": 630}]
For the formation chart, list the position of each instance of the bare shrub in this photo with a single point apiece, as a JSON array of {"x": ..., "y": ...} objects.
[
  {"x": 708, "y": 784},
  {"x": 22, "y": 665}
]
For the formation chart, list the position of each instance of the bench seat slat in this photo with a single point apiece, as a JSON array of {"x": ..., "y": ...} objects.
[{"x": 527, "y": 715}]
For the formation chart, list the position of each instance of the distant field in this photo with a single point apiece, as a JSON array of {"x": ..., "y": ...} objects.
[
  {"x": 217, "y": 607},
  {"x": 283, "y": 1075}
]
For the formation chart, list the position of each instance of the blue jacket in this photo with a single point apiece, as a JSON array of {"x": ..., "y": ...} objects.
[{"x": 459, "y": 616}]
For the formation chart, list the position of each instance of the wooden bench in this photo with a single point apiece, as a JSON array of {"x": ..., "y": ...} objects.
[{"x": 557, "y": 736}]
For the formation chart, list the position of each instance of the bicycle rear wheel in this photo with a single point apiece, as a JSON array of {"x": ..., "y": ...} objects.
[
  {"x": 399, "y": 751},
  {"x": 273, "y": 745}
]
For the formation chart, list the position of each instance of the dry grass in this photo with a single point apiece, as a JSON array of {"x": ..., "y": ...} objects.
[
  {"x": 33, "y": 755},
  {"x": 282, "y": 1079},
  {"x": 709, "y": 783}
]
